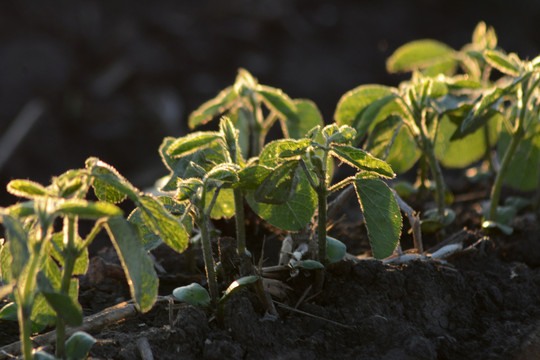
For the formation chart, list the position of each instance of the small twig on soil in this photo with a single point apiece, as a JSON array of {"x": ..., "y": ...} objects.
[
  {"x": 286, "y": 307},
  {"x": 144, "y": 348},
  {"x": 308, "y": 289}
]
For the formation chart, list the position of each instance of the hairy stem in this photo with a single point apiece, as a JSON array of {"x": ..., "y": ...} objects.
[
  {"x": 497, "y": 185},
  {"x": 208, "y": 258},
  {"x": 240, "y": 221}
]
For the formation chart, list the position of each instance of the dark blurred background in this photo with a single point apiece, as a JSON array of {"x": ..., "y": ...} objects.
[{"x": 112, "y": 78}]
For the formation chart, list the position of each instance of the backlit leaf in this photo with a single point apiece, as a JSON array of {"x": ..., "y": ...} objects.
[
  {"x": 422, "y": 54},
  {"x": 280, "y": 185},
  {"x": 192, "y": 142},
  {"x": 381, "y": 213},
  {"x": 212, "y": 108},
  {"x": 361, "y": 160},
  {"x": 308, "y": 116},
  {"x": 142, "y": 278},
  {"x": 501, "y": 62},
  {"x": 278, "y": 101},
  {"x": 26, "y": 188},
  {"x": 88, "y": 209}
]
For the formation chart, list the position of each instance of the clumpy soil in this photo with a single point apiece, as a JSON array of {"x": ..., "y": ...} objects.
[{"x": 480, "y": 304}]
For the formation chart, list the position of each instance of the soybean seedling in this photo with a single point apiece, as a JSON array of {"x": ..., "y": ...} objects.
[
  {"x": 308, "y": 158},
  {"x": 254, "y": 108},
  {"x": 38, "y": 264}
]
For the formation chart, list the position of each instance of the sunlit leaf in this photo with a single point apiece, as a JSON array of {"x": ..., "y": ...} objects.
[
  {"x": 381, "y": 213},
  {"x": 142, "y": 278},
  {"x": 26, "y": 188},
  {"x": 422, "y": 54},
  {"x": 212, "y": 108},
  {"x": 192, "y": 142},
  {"x": 78, "y": 345},
  {"x": 361, "y": 160}
]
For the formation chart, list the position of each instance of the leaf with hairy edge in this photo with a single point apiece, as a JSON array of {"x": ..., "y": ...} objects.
[
  {"x": 163, "y": 224},
  {"x": 190, "y": 143},
  {"x": 252, "y": 176},
  {"x": 26, "y": 188},
  {"x": 354, "y": 102},
  {"x": 292, "y": 215},
  {"x": 278, "y": 101},
  {"x": 391, "y": 141},
  {"x": 88, "y": 209},
  {"x": 381, "y": 213},
  {"x": 108, "y": 184},
  {"x": 361, "y": 159},
  {"x": 225, "y": 100},
  {"x": 422, "y": 54},
  {"x": 142, "y": 278},
  {"x": 181, "y": 168},
  {"x": 298, "y": 211},
  {"x": 501, "y": 62},
  {"x": 280, "y": 185},
  {"x": 308, "y": 116}
]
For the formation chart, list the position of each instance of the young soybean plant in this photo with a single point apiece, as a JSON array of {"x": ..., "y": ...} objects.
[
  {"x": 421, "y": 119},
  {"x": 37, "y": 263},
  {"x": 309, "y": 158},
  {"x": 518, "y": 100},
  {"x": 254, "y": 108}
]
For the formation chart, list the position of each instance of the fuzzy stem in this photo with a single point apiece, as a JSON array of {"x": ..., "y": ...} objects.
[
  {"x": 497, "y": 185},
  {"x": 322, "y": 193},
  {"x": 70, "y": 256},
  {"x": 240, "y": 221},
  {"x": 208, "y": 258},
  {"x": 438, "y": 176}
]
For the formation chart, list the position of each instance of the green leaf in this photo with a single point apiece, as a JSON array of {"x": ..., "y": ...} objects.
[
  {"x": 109, "y": 185},
  {"x": 252, "y": 176},
  {"x": 87, "y": 209},
  {"x": 458, "y": 153},
  {"x": 238, "y": 285},
  {"x": 381, "y": 213},
  {"x": 431, "y": 223},
  {"x": 225, "y": 100},
  {"x": 524, "y": 169},
  {"x": 335, "y": 250},
  {"x": 278, "y": 101},
  {"x": 398, "y": 150},
  {"x": 193, "y": 294},
  {"x": 42, "y": 355},
  {"x": 192, "y": 142},
  {"x": 17, "y": 239},
  {"x": 26, "y": 188},
  {"x": 142, "y": 278},
  {"x": 78, "y": 345},
  {"x": 308, "y": 116},
  {"x": 422, "y": 54},
  {"x": 181, "y": 168},
  {"x": 227, "y": 173},
  {"x": 298, "y": 211},
  {"x": 353, "y": 103},
  {"x": 280, "y": 186},
  {"x": 63, "y": 305},
  {"x": 224, "y": 206},
  {"x": 501, "y": 62},
  {"x": 163, "y": 224},
  {"x": 361, "y": 159}
]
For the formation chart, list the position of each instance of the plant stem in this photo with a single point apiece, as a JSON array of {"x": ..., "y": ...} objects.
[
  {"x": 70, "y": 256},
  {"x": 437, "y": 175},
  {"x": 240, "y": 221},
  {"x": 321, "y": 223},
  {"x": 24, "y": 311},
  {"x": 497, "y": 185},
  {"x": 208, "y": 258}
]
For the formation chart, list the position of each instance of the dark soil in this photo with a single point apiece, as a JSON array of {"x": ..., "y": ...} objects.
[{"x": 482, "y": 304}]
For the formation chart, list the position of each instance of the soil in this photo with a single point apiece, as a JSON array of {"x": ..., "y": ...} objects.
[{"x": 102, "y": 77}]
